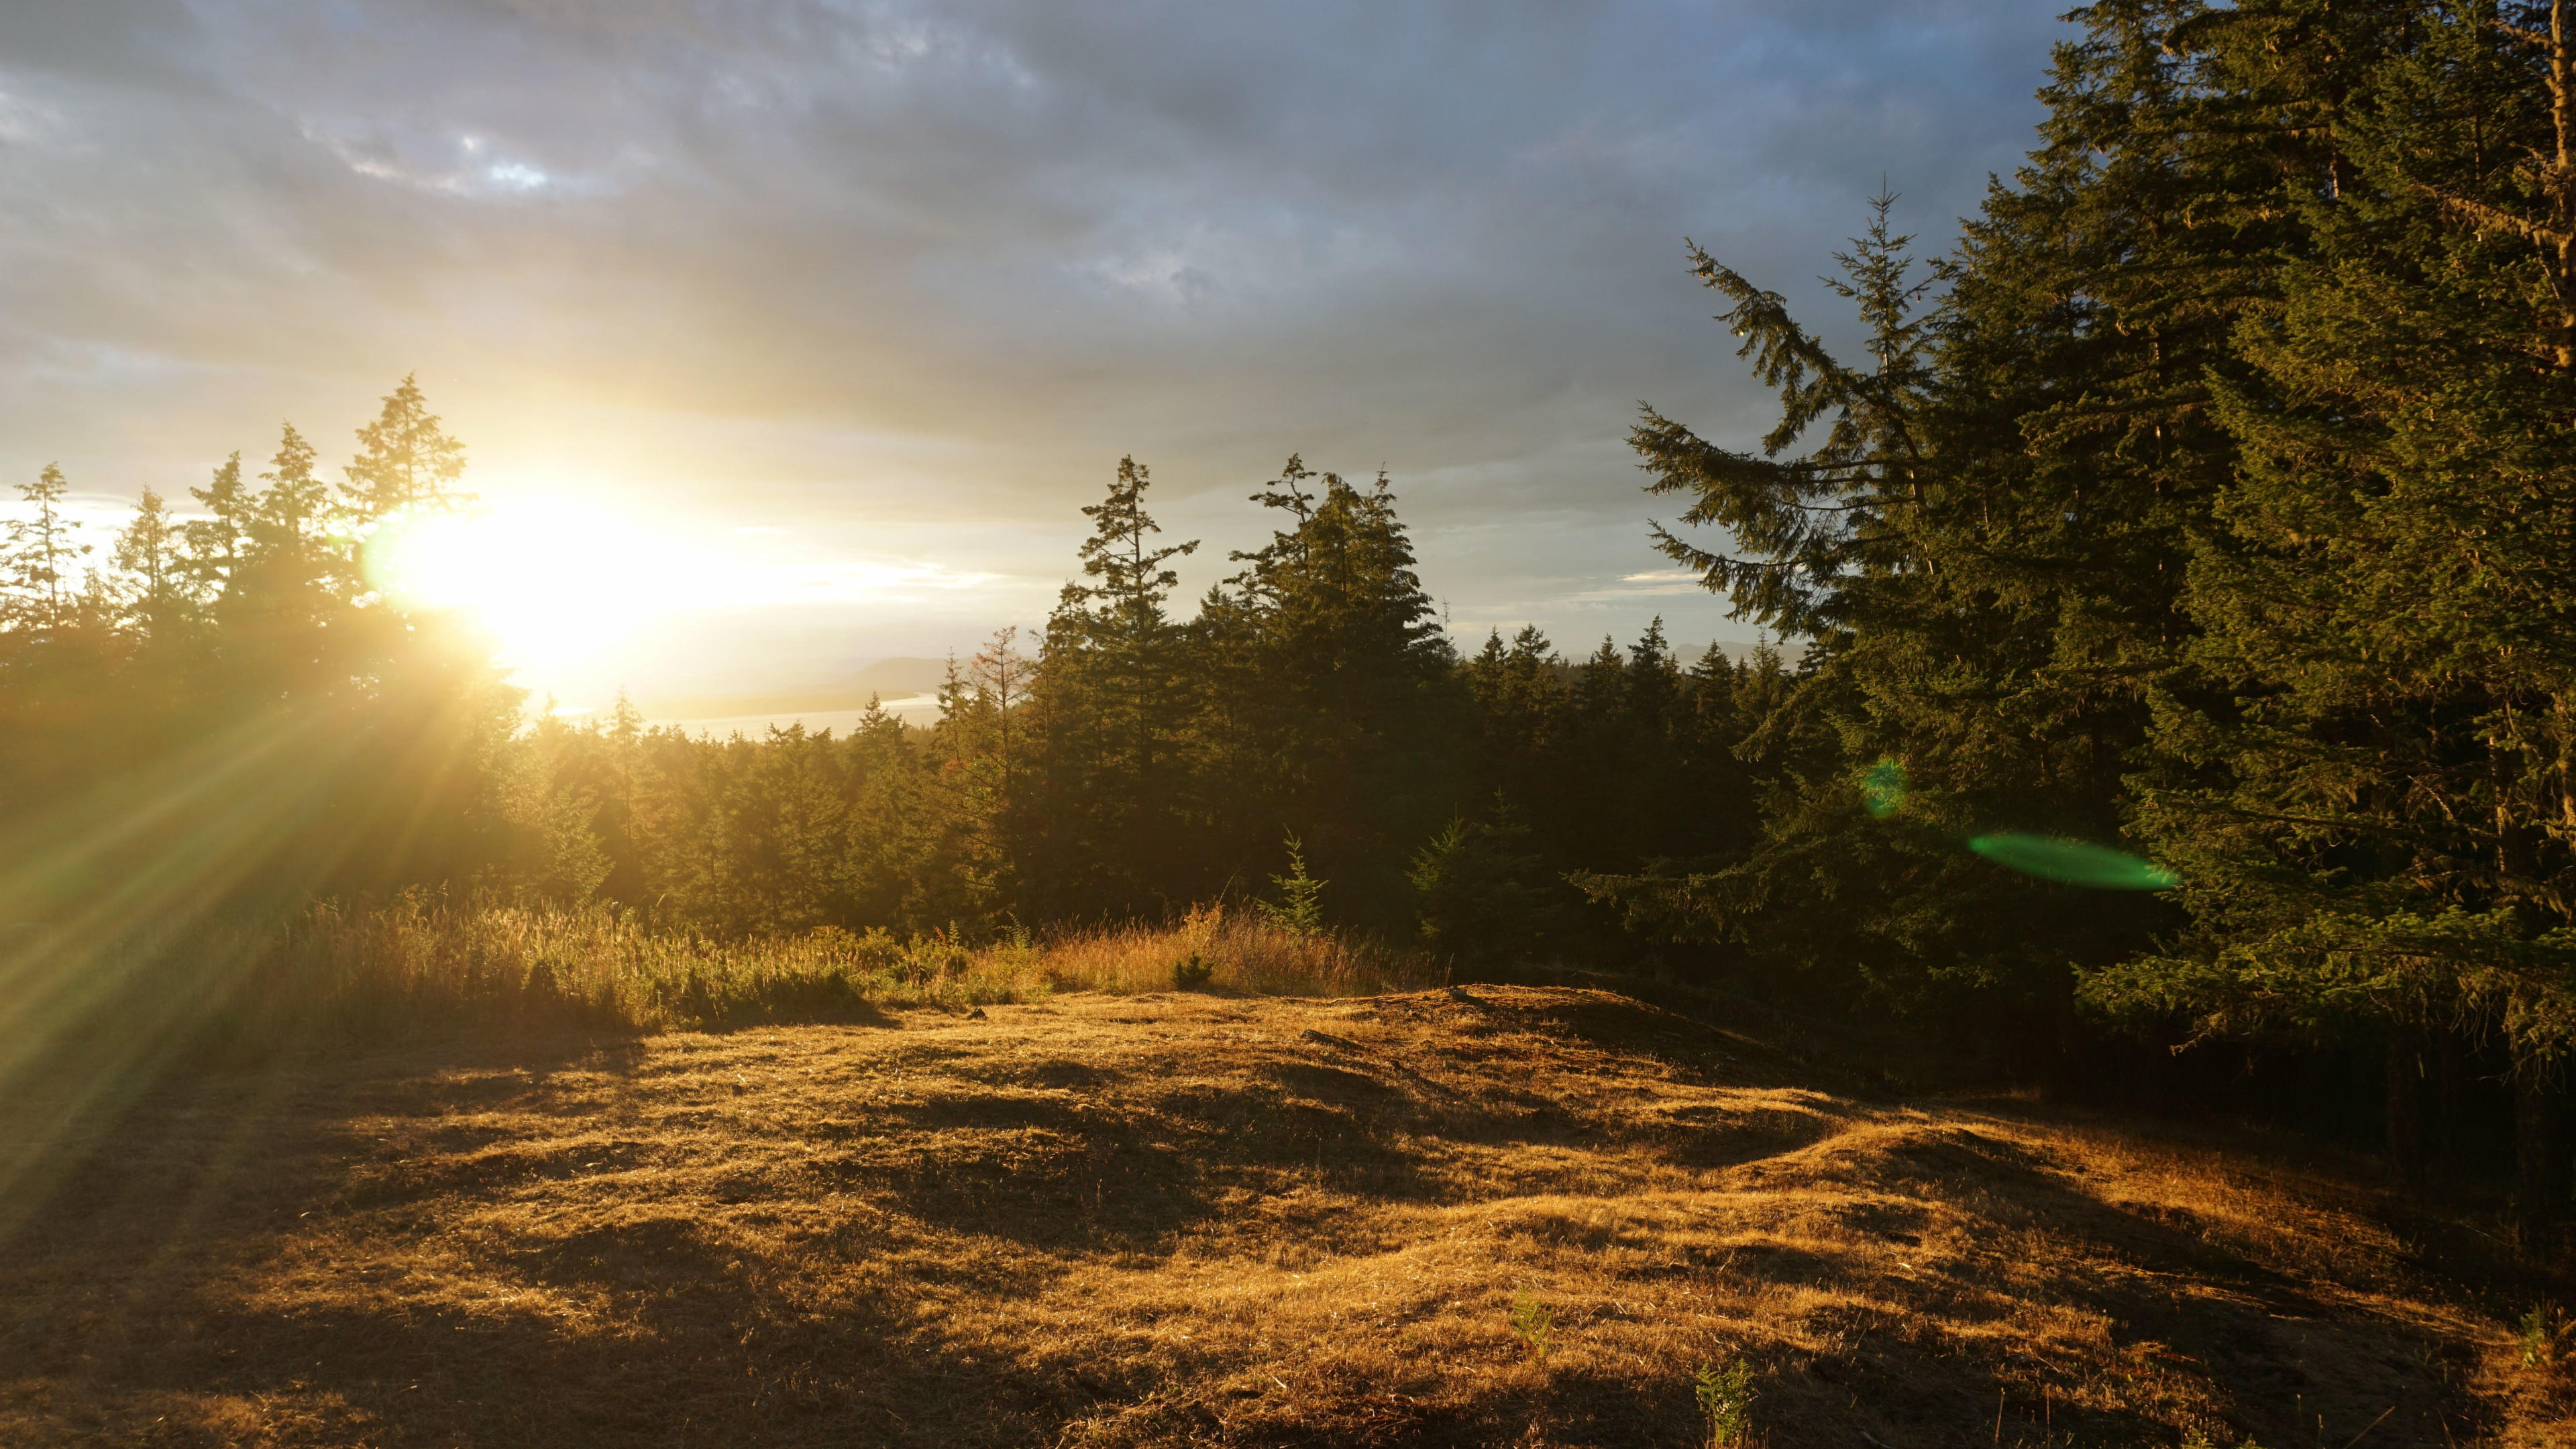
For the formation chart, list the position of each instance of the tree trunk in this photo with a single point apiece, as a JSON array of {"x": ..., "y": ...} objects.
[
  {"x": 2541, "y": 1166},
  {"x": 2406, "y": 1073},
  {"x": 2449, "y": 1157}
]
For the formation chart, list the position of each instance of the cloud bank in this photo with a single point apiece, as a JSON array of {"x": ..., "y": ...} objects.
[{"x": 905, "y": 279}]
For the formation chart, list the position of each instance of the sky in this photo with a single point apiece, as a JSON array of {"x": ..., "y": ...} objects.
[{"x": 792, "y": 334}]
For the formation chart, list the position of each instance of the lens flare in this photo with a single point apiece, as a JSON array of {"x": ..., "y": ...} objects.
[
  {"x": 1883, "y": 787},
  {"x": 2074, "y": 862}
]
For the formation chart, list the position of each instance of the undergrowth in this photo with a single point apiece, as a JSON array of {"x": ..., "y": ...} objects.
[{"x": 415, "y": 964}]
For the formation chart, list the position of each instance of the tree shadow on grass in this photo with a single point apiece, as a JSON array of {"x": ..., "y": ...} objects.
[
  {"x": 235, "y": 1251},
  {"x": 222, "y": 1267},
  {"x": 2175, "y": 1303}
]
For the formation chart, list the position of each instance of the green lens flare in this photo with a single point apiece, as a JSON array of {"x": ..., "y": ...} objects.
[
  {"x": 1883, "y": 787},
  {"x": 2074, "y": 862}
]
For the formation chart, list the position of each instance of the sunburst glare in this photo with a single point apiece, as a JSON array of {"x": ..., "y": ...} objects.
[{"x": 553, "y": 581}]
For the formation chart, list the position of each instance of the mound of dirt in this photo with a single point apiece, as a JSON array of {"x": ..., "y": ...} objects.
[{"x": 1496, "y": 1215}]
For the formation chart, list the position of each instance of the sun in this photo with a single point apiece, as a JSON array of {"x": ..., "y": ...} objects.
[{"x": 553, "y": 581}]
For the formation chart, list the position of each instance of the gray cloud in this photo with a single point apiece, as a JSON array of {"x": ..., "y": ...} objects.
[{"x": 916, "y": 274}]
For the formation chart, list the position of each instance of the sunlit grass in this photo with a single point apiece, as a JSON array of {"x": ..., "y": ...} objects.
[
  {"x": 1508, "y": 1215},
  {"x": 414, "y": 965}
]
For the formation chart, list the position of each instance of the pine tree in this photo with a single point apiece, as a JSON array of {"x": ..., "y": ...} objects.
[
  {"x": 1525, "y": 723},
  {"x": 214, "y": 543},
  {"x": 151, "y": 555},
  {"x": 2373, "y": 818},
  {"x": 1338, "y": 689},
  {"x": 40, "y": 555},
  {"x": 1985, "y": 547},
  {"x": 1123, "y": 618},
  {"x": 285, "y": 586},
  {"x": 554, "y": 852},
  {"x": 1114, "y": 701},
  {"x": 405, "y": 459},
  {"x": 1828, "y": 543},
  {"x": 1484, "y": 894}
]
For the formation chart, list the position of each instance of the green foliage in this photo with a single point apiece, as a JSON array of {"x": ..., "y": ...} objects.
[
  {"x": 36, "y": 583},
  {"x": 221, "y": 711},
  {"x": 1533, "y": 1323},
  {"x": 405, "y": 460},
  {"x": 2360, "y": 771},
  {"x": 1192, "y": 972},
  {"x": 1113, "y": 683},
  {"x": 1300, "y": 907},
  {"x": 2539, "y": 1331},
  {"x": 1332, "y": 699},
  {"x": 1882, "y": 788},
  {"x": 1726, "y": 1398},
  {"x": 1484, "y": 894}
]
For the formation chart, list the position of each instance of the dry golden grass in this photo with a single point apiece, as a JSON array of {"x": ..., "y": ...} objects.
[
  {"x": 1197, "y": 1218},
  {"x": 408, "y": 964}
]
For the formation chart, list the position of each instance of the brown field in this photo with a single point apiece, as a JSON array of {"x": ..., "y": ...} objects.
[{"x": 1209, "y": 1218}]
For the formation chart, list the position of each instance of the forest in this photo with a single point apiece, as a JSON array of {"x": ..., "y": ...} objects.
[{"x": 2174, "y": 701}]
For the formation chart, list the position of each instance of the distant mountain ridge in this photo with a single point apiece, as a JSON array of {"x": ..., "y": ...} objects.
[{"x": 887, "y": 679}]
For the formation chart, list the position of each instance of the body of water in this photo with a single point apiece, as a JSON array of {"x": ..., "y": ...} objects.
[{"x": 918, "y": 709}]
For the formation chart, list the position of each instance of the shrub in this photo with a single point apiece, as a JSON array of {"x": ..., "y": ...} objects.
[
  {"x": 1482, "y": 892},
  {"x": 2539, "y": 1332},
  {"x": 1726, "y": 1399},
  {"x": 1300, "y": 908},
  {"x": 1533, "y": 1323}
]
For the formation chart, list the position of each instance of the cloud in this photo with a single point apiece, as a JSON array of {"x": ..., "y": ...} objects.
[{"x": 860, "y": 263}]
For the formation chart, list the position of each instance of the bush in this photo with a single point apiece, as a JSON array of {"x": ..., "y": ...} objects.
[
  {"x": 1482, "y": 893},
  {"x": 1534, "y": 1324},
  {"x": 1726, "y": 1400}
]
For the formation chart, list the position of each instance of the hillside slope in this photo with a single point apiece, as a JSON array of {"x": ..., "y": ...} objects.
[{"x": 1180, "y": 1219}]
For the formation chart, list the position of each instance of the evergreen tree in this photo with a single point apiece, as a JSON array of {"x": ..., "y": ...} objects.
[
  {"x": 1339, "y": 689},
  {"x": 215, "y": 542},
  {"x": 1525, "y": 731},
  {"x": 1484, "y": 895},
  {"x": 151, "y": 556},
  {"x": 405, "y": 460},
  {"x": 554, "y": 851},
  {"x": 36, "y": 568},
  {"x": 2373, "y": 818},
  {"x": 1114, "y": 700},
  {"x": 1985, "y": 548}
]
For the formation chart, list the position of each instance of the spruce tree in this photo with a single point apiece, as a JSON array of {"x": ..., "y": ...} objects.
[
  {"x": 214, "y": 543},
  {"x": 1338, "y": 689},
  {"x": 1984, "y": 541},
  {"x": 37, "y": 562},
  {"x": 151, "y": 556},
  {"x": 2372, "y": 813},
  {"x": 1114, "y": 701},
  {"x": 405, "y": 459}
]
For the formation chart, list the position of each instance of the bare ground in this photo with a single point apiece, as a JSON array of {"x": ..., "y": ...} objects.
[{"x": 1196, "y": 1219}]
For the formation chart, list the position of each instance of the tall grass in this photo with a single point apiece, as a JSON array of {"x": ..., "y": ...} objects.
[{"x": 415, "y": 965}]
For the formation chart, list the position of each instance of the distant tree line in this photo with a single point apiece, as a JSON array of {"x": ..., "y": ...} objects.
[
  {"x": 225, "y": 709},
  {"x": 220, "y": 709},
  {"x": 2213, "y": 502},
  {"x": 1311, "y": 721}
]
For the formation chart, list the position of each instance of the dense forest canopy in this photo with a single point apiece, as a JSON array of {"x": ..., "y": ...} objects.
[{"x": 2203, "y": 521}]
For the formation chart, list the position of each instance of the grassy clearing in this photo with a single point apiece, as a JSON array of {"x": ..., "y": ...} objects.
[
  {"x": 1195, "y": 1218},
  {"x": 415, "y": 966}
]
